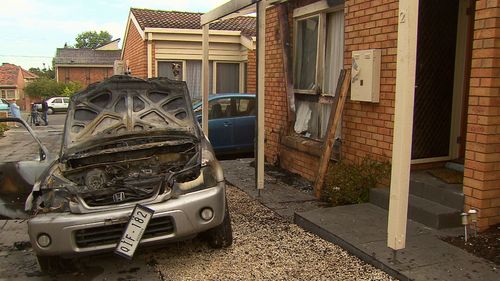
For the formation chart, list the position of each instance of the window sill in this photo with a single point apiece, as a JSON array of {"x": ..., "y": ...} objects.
[
  {"x": 309, "y": 146},
  {"x": 303, "y": 144}
]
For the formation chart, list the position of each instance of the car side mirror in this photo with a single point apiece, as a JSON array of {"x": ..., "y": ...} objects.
[
  {"x": 42, "y": 151},
  {"x": 42, "y": 154}
]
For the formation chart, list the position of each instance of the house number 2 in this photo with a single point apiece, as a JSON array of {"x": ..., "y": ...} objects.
[{"x": 402, "y": 17}]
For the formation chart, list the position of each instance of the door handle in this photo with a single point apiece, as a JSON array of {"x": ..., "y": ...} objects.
[{"x": 227, "y": 124}]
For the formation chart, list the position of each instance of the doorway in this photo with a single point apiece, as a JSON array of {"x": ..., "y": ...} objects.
[{"x": 441, "y": 91}]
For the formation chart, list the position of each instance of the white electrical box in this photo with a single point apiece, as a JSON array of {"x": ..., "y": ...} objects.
[
  {"x": 118, "y": 67},
  {"x": 365, "y": 75}
]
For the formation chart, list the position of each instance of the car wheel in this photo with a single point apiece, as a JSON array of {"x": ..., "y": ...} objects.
[
  {"x": 50, "y": 110},
  {"x": 53, "y": 264},
  {"x": 222, "y": 235}
]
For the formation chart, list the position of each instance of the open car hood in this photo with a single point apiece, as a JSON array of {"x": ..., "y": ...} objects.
[{"x": 126, "y": 107}]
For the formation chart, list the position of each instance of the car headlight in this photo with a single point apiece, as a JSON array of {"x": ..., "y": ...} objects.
[
  {"x": 204, "y": 180},
  {"x": 52, "y": 201},
  {"x": 210, "y": 174},
  {"x": 51, "y": 194}
]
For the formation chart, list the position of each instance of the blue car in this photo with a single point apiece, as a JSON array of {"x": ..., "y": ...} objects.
[
  {"x": 231, "y": 122},
  {"x": 4, "y": 105}
]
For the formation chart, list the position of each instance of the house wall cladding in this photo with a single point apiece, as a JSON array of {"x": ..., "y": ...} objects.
[
  {"x": 135, "y": 51},
  {"x": 482, "y": 156},
  {"x": 84, "y": 75}
]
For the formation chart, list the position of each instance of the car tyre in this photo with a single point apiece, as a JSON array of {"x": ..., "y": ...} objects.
[
  {"x": 50, "y": 110},
  {"x": 52, "y": 264},
  {"x": 221, "y": 236}
]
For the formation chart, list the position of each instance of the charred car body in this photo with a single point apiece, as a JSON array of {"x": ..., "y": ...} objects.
[{"x": 128, "y": 141}]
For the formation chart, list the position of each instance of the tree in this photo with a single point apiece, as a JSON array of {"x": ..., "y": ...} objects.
[
  {"x": 44, "y": 87},
  {"x": 70, "y": 88},
  {"x": 45, "y": 72},
  {"x": 92, "y": 39}
]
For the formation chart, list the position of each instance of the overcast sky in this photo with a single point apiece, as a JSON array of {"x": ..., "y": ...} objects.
[{"x": 31, "y": 30}]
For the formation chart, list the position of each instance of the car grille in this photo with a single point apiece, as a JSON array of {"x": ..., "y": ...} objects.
[
  {"x": 111, "y": 234},
  {"x": 136, "y": 191}
]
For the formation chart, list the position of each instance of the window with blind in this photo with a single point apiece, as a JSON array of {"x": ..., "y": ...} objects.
[
  {"x": 228, "y": 78},
  {"x": 165, "y": 69}
]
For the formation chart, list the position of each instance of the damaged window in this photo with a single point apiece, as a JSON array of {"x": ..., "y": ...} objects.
[
  {"x": 306, "y": 53},
  {"x": 314, "y": 93}
]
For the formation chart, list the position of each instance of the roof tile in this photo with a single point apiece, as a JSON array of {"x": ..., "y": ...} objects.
[
  {"x": 86, "y": 56},
  {"x": 9, "y": 74},
  {"x": 188, "y": 20}
]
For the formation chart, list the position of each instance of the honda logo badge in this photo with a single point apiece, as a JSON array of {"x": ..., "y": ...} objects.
[{"x": 119, "y": 196}]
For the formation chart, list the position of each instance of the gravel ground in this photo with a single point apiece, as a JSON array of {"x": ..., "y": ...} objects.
[{"x": 265, "y": 247}]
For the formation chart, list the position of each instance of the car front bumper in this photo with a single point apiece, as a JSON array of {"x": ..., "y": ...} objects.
[{"x": 179, "y": 217}]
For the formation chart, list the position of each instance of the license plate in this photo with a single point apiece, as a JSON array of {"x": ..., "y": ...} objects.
[{"x": 132, "y": 235}]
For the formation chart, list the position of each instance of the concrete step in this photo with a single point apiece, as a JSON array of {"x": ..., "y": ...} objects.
[
  {"x": 426, "y": 186},
  {"x": 421, "y": 210}
]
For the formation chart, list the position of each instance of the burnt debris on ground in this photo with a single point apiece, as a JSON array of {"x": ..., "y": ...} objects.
[{"x": 286, "y": 177}]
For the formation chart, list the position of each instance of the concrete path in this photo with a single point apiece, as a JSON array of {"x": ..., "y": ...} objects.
[
  {"x": 278, "y": 196},
  {"x": 362, "y": 230}
]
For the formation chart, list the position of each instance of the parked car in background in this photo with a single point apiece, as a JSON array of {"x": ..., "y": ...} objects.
[
  {"x": 55, "y": 104},
  {"x": 4, "y": 105},
  {"x": 130, "y": 147},
  {"x": 231, "y": 122}
]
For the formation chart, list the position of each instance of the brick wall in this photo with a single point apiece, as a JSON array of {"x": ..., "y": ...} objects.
[
  {"x": 252, "y": 72},
  {"x": 135, "y": 51},
  {"x": 153, "y": 64},
  {"x": 84, "y": 75},
  {"x": 276, "y": 105},
  {"x": 367, "y": 128},
  {"x": 22, "y": 99},
  {"x": 482, "y": 157},
  {"x": 295, "y": 154}
]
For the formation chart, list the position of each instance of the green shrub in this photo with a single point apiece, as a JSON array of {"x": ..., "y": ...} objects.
[
  {"x": 347, "y": 183},
  {"x": 45, "y": 88}
]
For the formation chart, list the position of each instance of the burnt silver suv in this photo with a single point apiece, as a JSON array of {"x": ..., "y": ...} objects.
[{"x": 128, "y": 141}]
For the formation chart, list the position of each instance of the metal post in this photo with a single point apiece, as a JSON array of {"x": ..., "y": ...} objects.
[{"x": 403, "y": 123}]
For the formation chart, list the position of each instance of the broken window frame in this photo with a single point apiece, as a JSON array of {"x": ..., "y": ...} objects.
[
  {"x": 297, "y": 69},
  {"x": 318, "y": 100}
]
